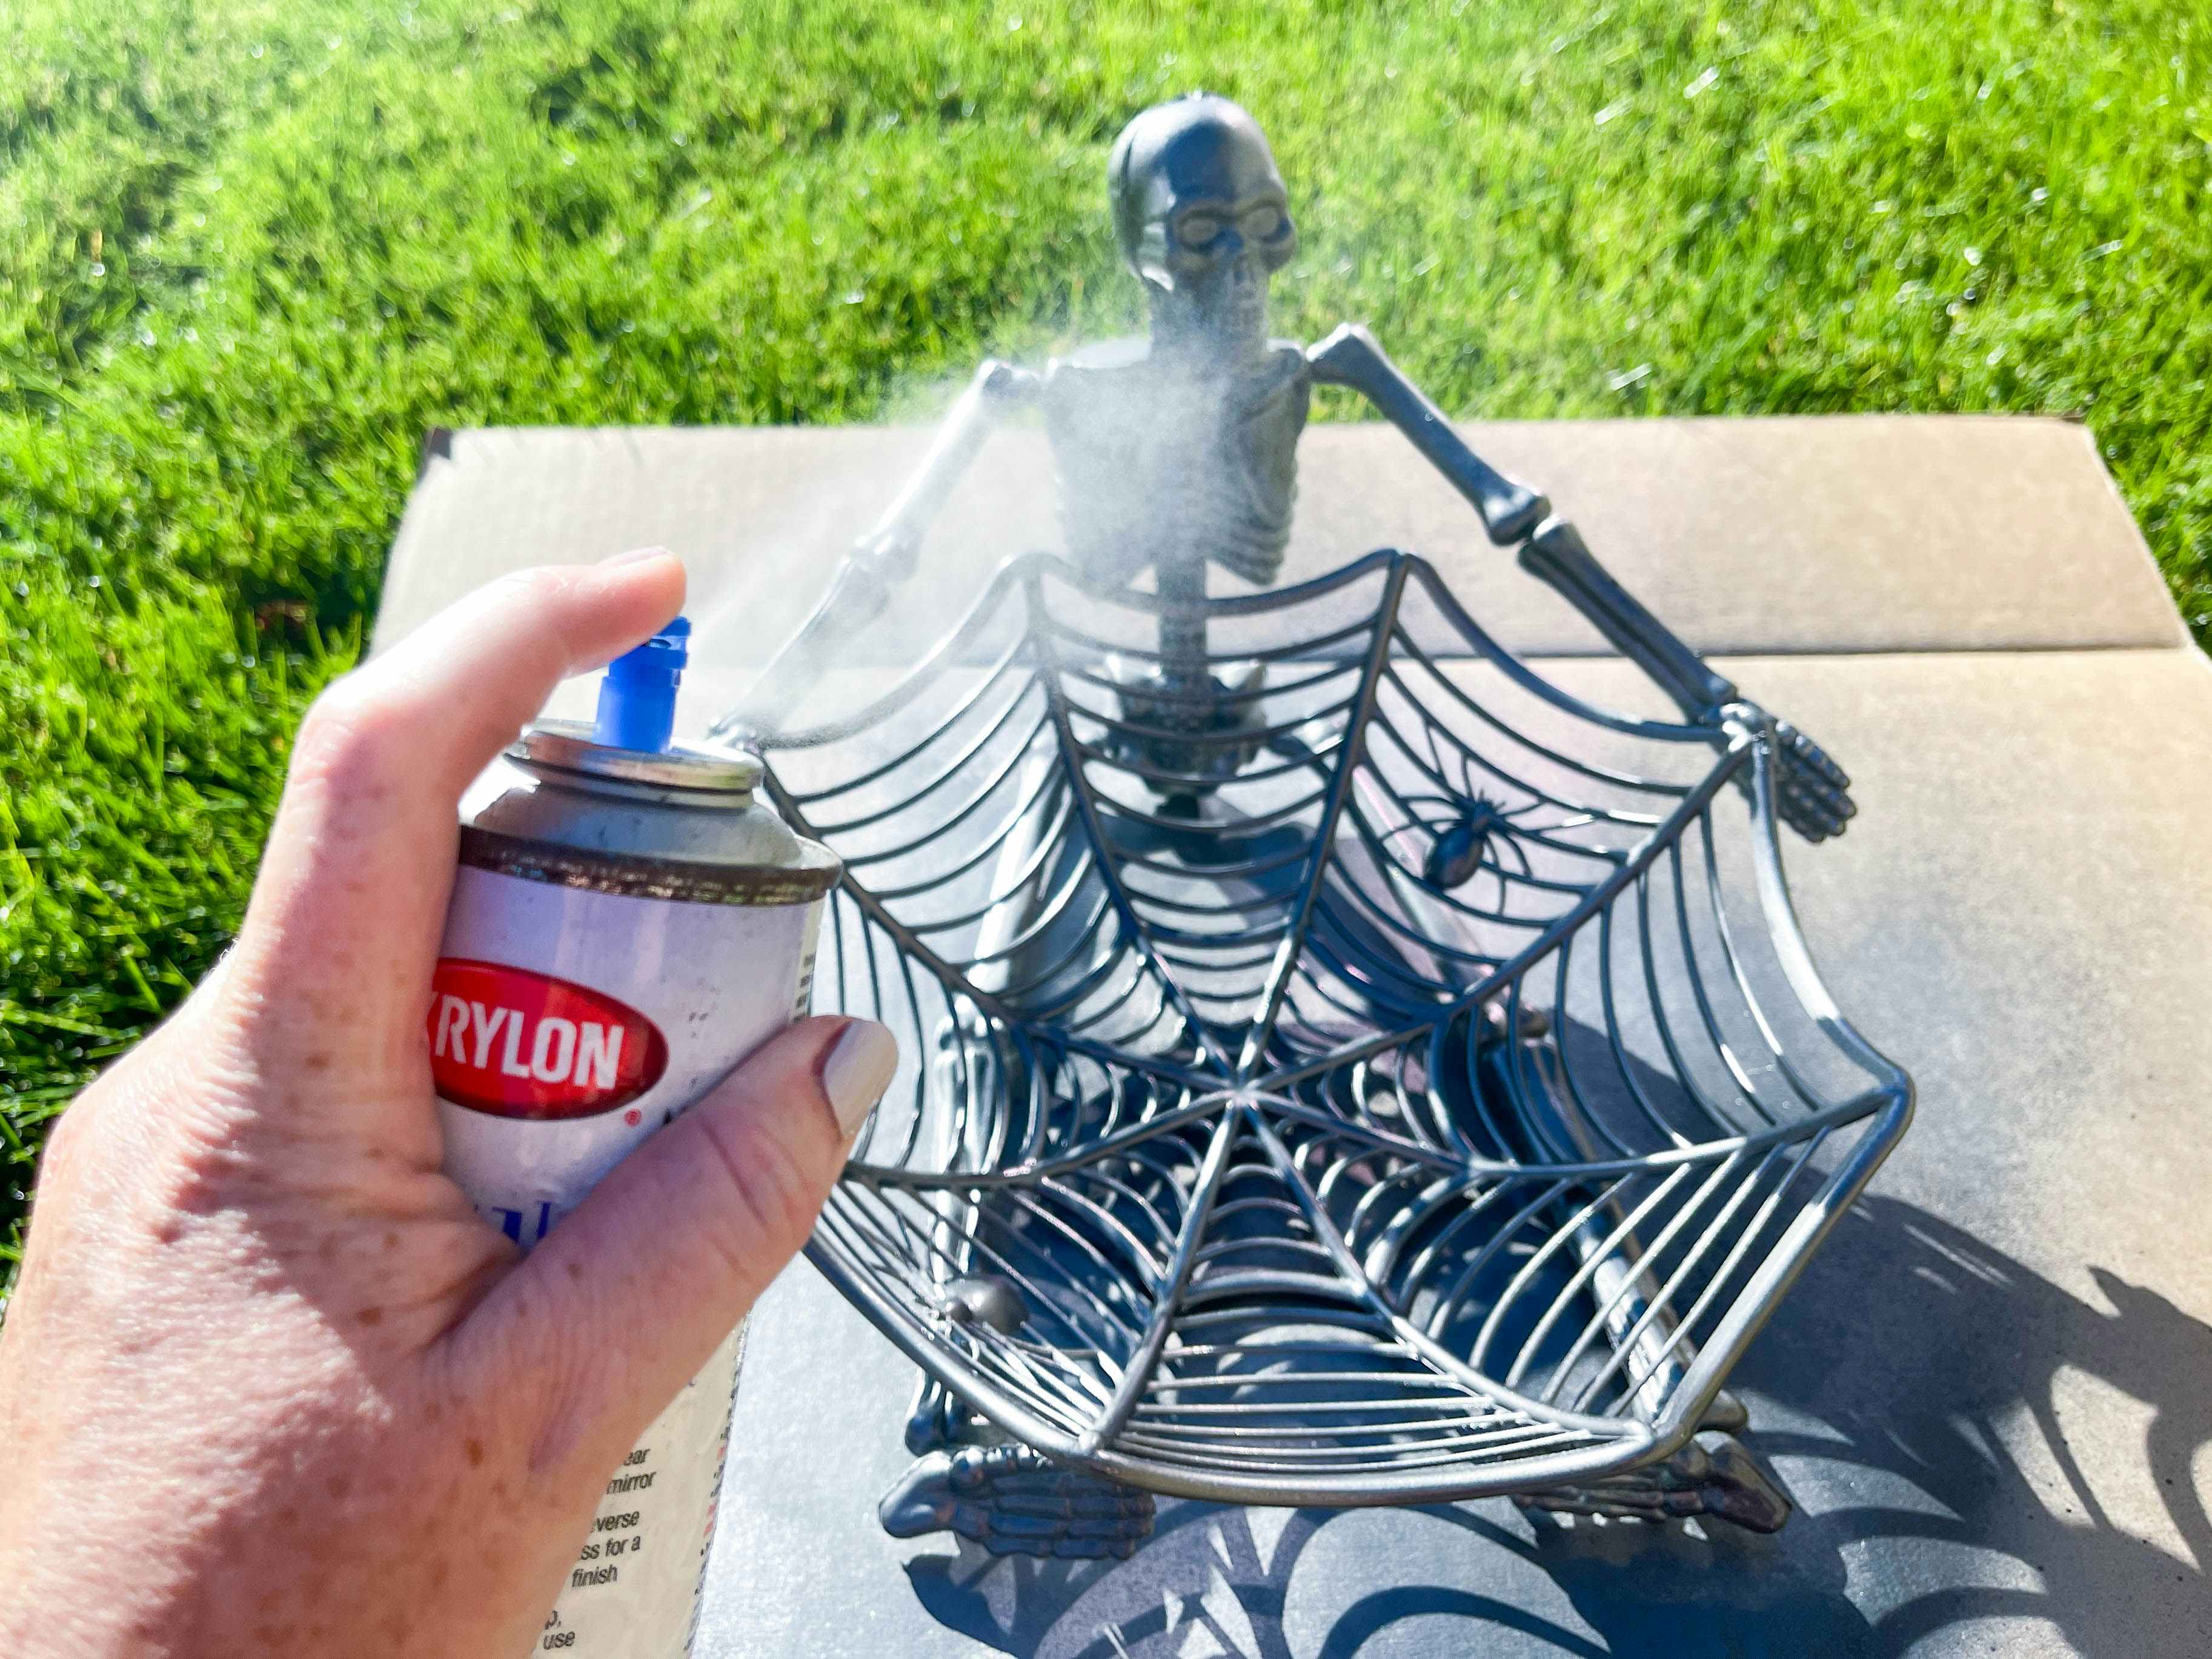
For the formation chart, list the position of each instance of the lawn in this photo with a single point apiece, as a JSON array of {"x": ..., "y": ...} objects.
[{"x": 250, "y": 251}]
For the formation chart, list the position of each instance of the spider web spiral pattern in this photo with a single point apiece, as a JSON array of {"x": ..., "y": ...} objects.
[{"x": 1435, "y": 1109}]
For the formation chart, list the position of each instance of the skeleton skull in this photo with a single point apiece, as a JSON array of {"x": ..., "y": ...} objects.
[{"x": 1204, "y": 220}]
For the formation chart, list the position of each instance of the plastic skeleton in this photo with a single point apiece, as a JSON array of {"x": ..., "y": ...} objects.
[{"x": 1178, "y": 449}]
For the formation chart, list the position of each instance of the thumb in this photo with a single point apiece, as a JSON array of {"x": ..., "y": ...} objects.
[{"x": 630, "y": 1294}]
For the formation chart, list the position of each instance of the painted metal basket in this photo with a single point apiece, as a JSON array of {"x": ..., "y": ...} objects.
[{"x": 1381, "y": 1076}]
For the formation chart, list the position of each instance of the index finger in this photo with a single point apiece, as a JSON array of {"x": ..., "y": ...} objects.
[{"x": 346, "y": 914}]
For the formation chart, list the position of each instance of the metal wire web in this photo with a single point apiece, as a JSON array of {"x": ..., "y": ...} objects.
[{"x": 1434, "y": 1108}]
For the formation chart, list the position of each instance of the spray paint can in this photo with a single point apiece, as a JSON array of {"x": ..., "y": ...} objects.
[{"x": 628, "y": 923}]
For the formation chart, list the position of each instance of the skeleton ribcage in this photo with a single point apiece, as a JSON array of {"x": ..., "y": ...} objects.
[{"x": 1161, "y": 471}]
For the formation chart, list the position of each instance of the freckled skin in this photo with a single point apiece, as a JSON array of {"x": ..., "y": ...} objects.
[{"x": 269, "y": 1386}]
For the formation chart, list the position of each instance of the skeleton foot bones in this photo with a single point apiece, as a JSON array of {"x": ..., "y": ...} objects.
[
  {"x": 1014, "y": 1501},
  {"x": 1713, "y": 1476},
  {"x": 1008, "y": 1498}
]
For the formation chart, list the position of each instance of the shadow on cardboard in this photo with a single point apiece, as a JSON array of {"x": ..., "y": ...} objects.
[{"x": 1913, "y": 1378}]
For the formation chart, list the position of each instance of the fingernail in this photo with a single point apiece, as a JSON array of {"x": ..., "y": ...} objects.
[
  {"x": 636, "y": 555},
  {"x": 857, "y": 1069}
]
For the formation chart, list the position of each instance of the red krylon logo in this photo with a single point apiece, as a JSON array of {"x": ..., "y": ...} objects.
[{"x": 515, "y": 1044}]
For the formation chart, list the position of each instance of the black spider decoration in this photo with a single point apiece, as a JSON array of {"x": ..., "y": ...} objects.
[{"x": 1462, "y": 846}]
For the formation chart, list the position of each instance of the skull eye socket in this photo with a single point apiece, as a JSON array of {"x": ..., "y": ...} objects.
[
  {"x": 1264, "y": 224},
  {"x": 1200, "y": 229}
]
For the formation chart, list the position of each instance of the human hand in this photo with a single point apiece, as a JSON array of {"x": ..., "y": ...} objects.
[{"x": 269, "y": 1384}]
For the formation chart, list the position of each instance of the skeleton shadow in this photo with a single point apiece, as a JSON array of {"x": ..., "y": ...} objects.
[{"x": 1911, "y": 1388}]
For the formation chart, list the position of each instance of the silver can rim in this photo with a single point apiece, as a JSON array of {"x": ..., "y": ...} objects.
[{"x": 567, "y": 745}]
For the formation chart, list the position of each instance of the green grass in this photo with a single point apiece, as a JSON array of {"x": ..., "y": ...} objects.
[{"x": 249, "y": 250}]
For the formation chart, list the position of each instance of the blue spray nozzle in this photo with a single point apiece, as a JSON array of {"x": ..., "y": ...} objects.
[{"x": 637, "y": 697}]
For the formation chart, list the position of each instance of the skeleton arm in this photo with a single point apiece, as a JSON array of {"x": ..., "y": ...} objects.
[
  {"x": 1514, "y": 514},
  {"x": 883, "y": 559},
  {"x": 1811, "y": 787},
  {"x": 1351, "y": 357}
]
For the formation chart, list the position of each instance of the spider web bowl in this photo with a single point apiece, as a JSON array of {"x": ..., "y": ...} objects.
[{"x": 1434, "y": 1110}]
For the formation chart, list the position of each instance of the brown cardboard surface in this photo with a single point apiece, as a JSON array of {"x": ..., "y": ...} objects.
[{"x": 1841, "y": 533}]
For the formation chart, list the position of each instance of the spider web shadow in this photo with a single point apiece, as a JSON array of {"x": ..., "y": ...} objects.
[{"x": 1920, "y": 1393}]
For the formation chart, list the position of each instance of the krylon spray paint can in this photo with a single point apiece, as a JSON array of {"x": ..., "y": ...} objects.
[{"x": 628, "y": 923}]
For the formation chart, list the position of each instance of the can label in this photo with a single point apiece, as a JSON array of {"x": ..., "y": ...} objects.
[
  {"x": 567, "y": 1024},
  {"x": 634, "y": 1589},
  {"x": 569, "y": 1020}
]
